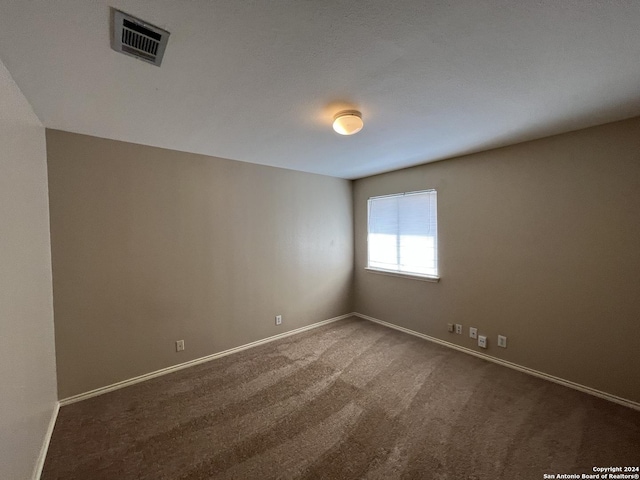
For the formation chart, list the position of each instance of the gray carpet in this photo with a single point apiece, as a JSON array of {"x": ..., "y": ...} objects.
[{"x": 348, "y": 400}]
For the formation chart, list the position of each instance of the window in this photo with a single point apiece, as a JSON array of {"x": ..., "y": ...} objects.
[{"x": 403, "y": 234}]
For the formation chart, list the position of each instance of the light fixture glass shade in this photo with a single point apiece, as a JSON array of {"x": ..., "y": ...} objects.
[{"x": 348, "y": 122}]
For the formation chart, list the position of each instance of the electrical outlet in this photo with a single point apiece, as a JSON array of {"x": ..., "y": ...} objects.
[
  {"x": 473, "y": 332},
  {"x": 502, "y": 341},
  {"x": 450, "y": 327},
  {"x": 458, "y": 329},
  {"x": 278, "y": 319},
  {"x": 179, "y": 345},
  {"x": 482, "y": 341}
]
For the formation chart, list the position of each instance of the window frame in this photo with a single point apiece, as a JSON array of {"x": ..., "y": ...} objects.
[{"x": 397, "y": 273}]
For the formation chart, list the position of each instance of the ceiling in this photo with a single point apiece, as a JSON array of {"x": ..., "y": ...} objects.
[{"x": 259, "y": 81}]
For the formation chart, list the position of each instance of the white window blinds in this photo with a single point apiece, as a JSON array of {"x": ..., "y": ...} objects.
[{"x": 403, "y": 233}]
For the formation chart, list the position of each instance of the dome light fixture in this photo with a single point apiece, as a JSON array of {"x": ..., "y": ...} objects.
[{"x": 348, "y": 122}]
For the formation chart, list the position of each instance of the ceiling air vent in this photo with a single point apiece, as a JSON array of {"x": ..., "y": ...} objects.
[{"x": 137, "y": 38}]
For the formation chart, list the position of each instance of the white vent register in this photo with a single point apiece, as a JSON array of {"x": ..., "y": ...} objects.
[{"x": 134, "y": 37}]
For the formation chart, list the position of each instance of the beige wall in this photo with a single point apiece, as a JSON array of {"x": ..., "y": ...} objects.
[
  {"x": 150, "y": 246},
  {"x": 539, "y": 242},
  {"x": 27, "y": 355}
]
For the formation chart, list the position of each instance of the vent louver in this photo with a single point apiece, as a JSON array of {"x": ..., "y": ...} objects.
[{"x": 137, "y": 38}]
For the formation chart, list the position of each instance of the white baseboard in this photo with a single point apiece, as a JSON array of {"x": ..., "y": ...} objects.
[
  {"x": 197, "y": 361},
  {"x": 514, "y": 366},
  {"x": 37, "y": 469},
  {"x": 132, "y": 381}
]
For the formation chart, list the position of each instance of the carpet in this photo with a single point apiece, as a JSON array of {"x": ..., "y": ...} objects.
[{"x": 349, "y": 400}]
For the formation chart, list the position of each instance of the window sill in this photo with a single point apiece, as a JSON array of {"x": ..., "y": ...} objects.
[{"x": 413, "y": 276}]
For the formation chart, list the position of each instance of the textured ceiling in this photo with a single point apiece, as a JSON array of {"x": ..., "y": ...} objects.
[{"x": 259, "y": 81}]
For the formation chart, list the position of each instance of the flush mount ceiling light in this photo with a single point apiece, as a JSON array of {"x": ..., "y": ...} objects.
[{"x": 348, "y": 122}]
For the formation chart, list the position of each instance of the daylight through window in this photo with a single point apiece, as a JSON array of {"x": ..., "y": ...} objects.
[{"x": 403, "y": 233}]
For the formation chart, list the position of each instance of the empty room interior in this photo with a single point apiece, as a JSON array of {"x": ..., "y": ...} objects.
[{"x": 341, "y": 240}]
